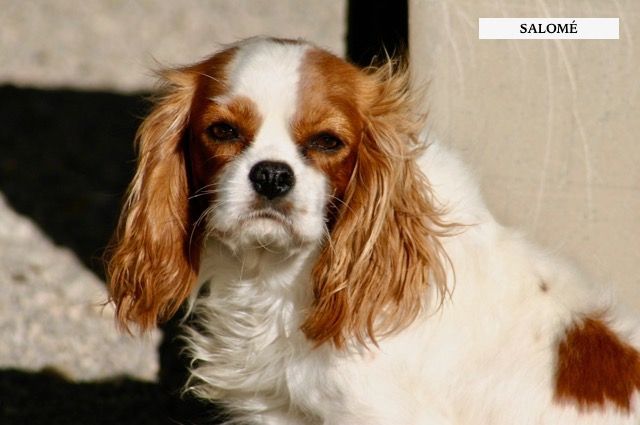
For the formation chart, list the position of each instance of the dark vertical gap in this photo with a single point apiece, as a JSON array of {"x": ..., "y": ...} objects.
[{"x": 374, "y": 26}]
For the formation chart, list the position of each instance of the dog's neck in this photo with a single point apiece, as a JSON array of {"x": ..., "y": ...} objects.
[{"x": 275, "y": 267}]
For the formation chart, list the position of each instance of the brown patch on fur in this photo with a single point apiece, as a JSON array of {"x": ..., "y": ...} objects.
[
  {"x": 208, "y": 156},
  {"x": 595, "y": 366},
  {"x": 372, "y": 277},
  {"x": 155, "y": 252},
  {"x": 543, "y": 286},
  {"x": 329, "y": 103}
]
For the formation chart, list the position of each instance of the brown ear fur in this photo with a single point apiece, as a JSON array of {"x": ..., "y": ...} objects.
[
  {"x": 383, "y": 251},
  {"x": 154, "y": 257}
]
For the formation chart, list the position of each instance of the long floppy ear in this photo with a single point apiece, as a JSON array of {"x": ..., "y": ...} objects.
[
  {"x": 153, "y": 260},
  {"x": 384, "y": 251}
]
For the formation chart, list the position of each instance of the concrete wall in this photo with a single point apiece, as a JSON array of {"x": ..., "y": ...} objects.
[
  {"x": 114, "y": 44},
  {"x": 551, "y": 127}
]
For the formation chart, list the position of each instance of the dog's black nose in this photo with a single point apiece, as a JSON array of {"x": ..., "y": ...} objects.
[{"x": 271, "y": 178}]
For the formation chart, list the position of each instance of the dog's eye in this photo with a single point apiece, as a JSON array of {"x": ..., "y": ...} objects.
[
  {"x": 223, "y": 132},
  {"x": 325, "y": 142}
]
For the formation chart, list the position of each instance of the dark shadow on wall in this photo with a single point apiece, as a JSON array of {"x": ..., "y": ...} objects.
[
  {"x": 46, "y": 398},
  {"x": 65, "y": 159}
]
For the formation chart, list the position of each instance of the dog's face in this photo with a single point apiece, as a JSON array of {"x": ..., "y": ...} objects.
[
  {"x": 281, "y": 146},
  {"x": 273, "y": 135}
]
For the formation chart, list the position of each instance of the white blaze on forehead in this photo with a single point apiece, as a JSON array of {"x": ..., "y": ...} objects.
[{"x": 267, "y": 72}]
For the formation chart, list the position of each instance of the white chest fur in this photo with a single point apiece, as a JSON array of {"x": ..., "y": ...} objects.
[{"x": 249, "y": 313}]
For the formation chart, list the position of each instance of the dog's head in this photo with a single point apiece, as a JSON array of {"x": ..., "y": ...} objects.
[{"x": 279, "y": 145}]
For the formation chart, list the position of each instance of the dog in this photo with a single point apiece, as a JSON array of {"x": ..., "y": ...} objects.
[{"x": 342, "y": 268}]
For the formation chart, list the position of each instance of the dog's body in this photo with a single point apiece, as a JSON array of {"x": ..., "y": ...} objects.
[
  {"x": 487, "y": 356},
  {"x": 518, "y": 337}
]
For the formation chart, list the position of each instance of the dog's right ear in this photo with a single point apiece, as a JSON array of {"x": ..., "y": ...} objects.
[
  {"x": 154, "y": 256},
  {"x": 384, "y": 251}
]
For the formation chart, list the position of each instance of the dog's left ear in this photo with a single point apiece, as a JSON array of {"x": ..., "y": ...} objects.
[
  {"x": 384, "y": 252},
  {"x": 154, "y": 258}
]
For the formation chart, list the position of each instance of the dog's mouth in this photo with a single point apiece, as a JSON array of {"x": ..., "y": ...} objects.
[
  {"x": 268, "y": 214},
  {"x": 266, "y": 226}
]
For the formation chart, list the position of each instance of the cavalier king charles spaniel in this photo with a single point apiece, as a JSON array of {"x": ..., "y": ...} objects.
[{"x": 342, "y": 270}]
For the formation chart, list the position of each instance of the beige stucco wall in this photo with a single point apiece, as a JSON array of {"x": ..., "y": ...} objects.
[
  {"x": 551, "y": 128},
  {"x": 114, "y": 44}
]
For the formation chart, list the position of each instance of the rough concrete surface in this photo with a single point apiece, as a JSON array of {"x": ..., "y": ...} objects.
[
  {"x": 51, "y": 312},
  {"x": 113, "y": 44}
]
